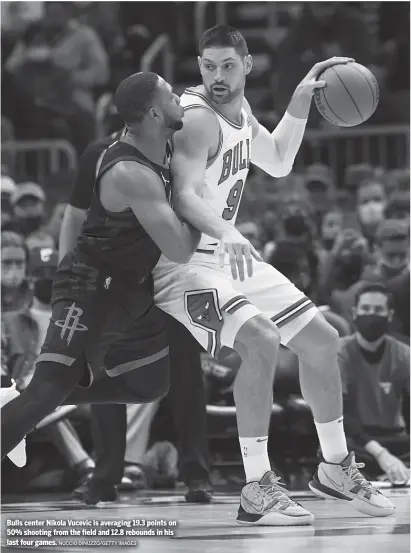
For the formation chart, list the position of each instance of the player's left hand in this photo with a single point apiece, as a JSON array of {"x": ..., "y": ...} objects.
[
  {"x": 300, "y": 103},
  {"x": 310, "y": 82}
]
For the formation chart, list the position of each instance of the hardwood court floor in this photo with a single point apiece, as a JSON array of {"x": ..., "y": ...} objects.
[{"x": 212, "y": 528}]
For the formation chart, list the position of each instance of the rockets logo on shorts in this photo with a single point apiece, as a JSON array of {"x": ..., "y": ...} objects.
[{"x": 71, "y": 323}]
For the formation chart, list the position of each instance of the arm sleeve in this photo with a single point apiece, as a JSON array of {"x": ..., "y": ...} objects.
[
  {"x": 86, "y": 173},
  {"x": 275, "y": 153}
]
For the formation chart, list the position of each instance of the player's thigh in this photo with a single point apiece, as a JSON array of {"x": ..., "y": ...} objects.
[
  {"x": 86, "y": 319},
  {"x": 73, "y": 327},
  {"x": 205, "y": 299},
  {"x": 140, "y": 357},
  {"x": 277, "y": 298}
]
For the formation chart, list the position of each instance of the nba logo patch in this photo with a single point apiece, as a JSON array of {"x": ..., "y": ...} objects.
[{"x": 107, "y": 283}]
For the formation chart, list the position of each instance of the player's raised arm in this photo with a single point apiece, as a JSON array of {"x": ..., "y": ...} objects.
[
  {"x": 176, "y": 240},
  {"x": 275, "y": 153}
]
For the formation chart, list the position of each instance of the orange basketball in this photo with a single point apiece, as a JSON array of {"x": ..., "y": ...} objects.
[{"x": 350, "y": 97}]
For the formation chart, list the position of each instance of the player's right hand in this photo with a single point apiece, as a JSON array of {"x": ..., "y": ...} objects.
[
  {"x": 394, "y": 468},
  {"x": 238, "y": 249}
]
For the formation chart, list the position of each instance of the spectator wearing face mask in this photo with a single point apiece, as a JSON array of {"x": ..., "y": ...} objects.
[
  {"x": 28, "y": 202},
  {"x": 375, "y": 370},
  {"x": 16, "y": 292},
  {"x": 23, "y": 333},
  {"x": 62, "y": 61},
  {"x": 370, "y": 205}
]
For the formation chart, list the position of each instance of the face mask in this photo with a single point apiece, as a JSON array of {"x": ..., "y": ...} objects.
[
  {"x": 371, "y": 212},
  {"x": 42, "y": 290},
  {"x": 371, "y": 327},
  {"x": 31, "y": 224},
  {"x": 328, "y": 243},
  {"x": 295, "y": 225}
]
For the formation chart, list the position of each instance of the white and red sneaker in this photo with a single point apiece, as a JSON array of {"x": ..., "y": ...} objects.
[
  {"x": 267, "y": 503},
  {"x": 344, "y": 481}
]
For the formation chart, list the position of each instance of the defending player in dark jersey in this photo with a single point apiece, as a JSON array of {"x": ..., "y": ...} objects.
[
  {"x": 104, "y": 324},
  {"x": 186, "y": 396}
]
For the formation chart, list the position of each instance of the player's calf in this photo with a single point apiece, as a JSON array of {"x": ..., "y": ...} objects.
[{"x": 257, "y": 343}]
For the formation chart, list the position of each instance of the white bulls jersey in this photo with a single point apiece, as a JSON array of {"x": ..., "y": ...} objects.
[{"x": 227, "y": 171}]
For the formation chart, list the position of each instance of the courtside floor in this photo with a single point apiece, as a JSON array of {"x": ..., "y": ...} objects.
[{"x": 204, "y": 528}]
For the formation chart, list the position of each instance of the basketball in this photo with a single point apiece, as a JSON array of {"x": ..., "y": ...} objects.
[{"x": 350, "y": 97}]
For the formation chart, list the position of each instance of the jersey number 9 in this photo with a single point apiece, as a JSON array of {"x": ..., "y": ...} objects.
[{"x": 233, "y": 200}]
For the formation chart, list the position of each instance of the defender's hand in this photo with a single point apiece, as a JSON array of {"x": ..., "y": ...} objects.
[{"x": 238, "y": 249}]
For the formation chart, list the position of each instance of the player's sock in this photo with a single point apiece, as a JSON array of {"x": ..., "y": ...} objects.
[
  {"x": 332, "y": 440},
  {"x": 255, "y": 457},
  {"x": 50, "y": 384}
]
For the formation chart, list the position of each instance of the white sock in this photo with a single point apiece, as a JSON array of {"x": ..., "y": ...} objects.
[
  {"x": 332, "y": 440},
  {"x": 255, "y": 457}
]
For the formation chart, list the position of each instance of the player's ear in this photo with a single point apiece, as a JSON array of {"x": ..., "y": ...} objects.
[
  {"x": 199, "y": 61},
  {"x": 153, "y": 113},
  {"x": 248, "y": 63},
  {"x": 390, "y": 315}
]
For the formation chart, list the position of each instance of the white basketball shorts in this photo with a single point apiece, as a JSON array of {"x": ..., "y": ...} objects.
[{"x": 213, "y": 306}]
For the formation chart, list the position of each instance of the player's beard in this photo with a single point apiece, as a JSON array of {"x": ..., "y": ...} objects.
[{"x": 228, "y": 96}]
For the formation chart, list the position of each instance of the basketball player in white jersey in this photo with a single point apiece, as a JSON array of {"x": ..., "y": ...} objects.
[{"x": 253, "y": 315}]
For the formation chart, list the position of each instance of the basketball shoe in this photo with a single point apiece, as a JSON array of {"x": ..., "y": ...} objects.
[
  {"x": 344, "y": 481},
  {"x": 266, "y": 503},
  {"x": 18, "y": 454}
]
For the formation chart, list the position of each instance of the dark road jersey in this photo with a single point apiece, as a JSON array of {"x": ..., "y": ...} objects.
[{"x": 117, "y": 241}]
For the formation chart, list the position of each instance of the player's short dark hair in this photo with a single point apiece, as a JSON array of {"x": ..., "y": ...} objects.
[
  {"x": 379, "y": 287},
  {"x": 223, "y": 36},
  {"x": 134, "y": 96}
]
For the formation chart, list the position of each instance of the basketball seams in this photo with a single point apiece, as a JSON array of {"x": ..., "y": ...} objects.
[
  {"x": 374, "y": 99},
  {"x": 330, "y": 108},
  {"x": 348, "y": 92}
]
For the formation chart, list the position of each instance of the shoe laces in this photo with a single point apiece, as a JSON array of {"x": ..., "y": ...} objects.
[
  {"x": 276, "y": 492},
  {"x": 355, "y": 475}
]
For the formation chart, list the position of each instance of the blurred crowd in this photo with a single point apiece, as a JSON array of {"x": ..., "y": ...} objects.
[{"x": 58, "y": 58}]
